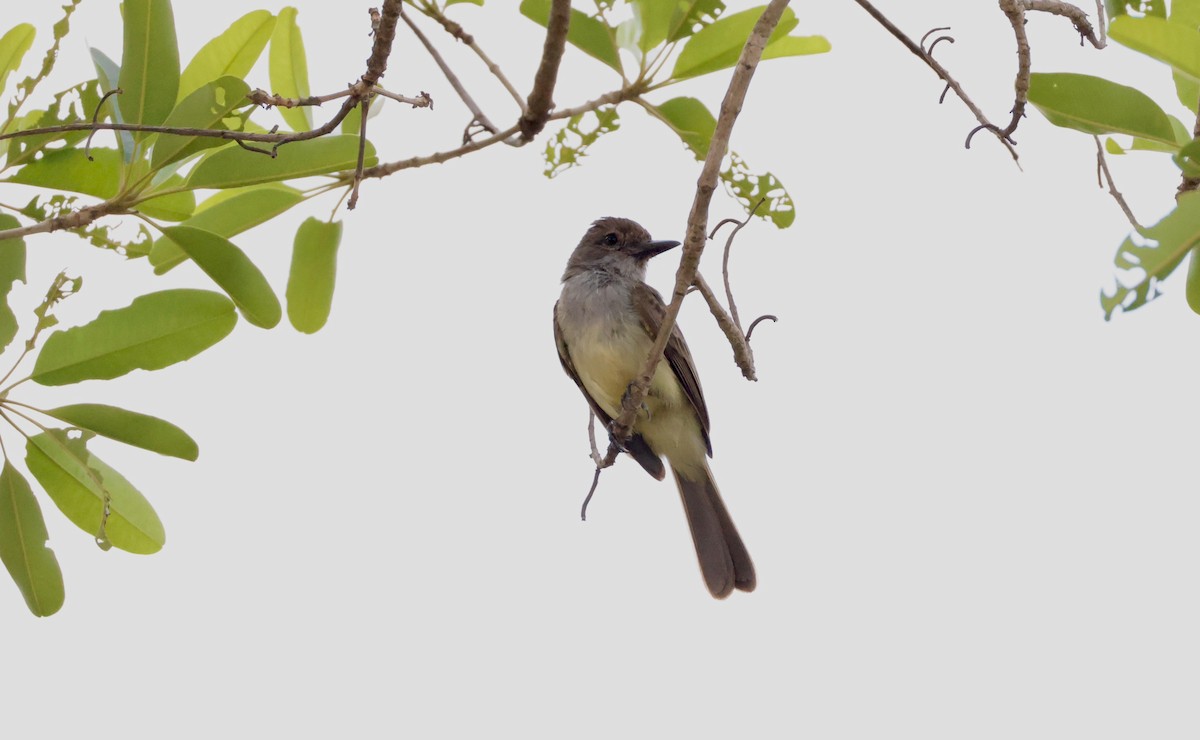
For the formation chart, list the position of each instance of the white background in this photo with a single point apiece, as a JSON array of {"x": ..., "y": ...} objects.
[{"x": 971, "y": 501}]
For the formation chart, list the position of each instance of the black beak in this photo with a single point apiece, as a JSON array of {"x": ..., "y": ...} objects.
[{"x": 646, "y": 250}]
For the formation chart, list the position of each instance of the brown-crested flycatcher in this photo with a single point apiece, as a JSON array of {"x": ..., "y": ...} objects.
[{"x": 605, "y": 323}]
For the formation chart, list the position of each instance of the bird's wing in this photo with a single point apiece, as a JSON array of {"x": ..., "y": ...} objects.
[
  {"x": 651, "y": 309},
  {"x": 637, "y": 447}
]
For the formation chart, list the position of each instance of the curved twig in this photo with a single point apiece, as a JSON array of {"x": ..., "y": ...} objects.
[
  {"x": 87, "y": 146},
  {"x": 759, "y": 320}
]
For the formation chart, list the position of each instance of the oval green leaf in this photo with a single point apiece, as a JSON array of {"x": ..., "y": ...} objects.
[
  {"x": 70, "y": 169},
  {"x": 79, "y": 482},
  {"x": 23, "y": 549},
  {"x": 149, "y": 62},
  {"x": 691, "y": 120},
  {"x": 719, "y": 45},
  {"x": 205, "y": 108},
  {"x": 171, "y": 206},
  {"x": 1097, "y": 106},
  {"x": 1169, "y": 42},
  {"x": 288, "y": 68},
  {"x": 230, "y": 268},
  {"x": 587, "y": 34},
  {"x": 13, "y": 45},
  {"x": 233, "y": 53},
  {"x": 130, "y": 427},
  {"x": 227, "y": 217},
  {"x": 314, "y": 267},
  {"x": 153, "y": 332},
  {"x": 234, "y": 167}
]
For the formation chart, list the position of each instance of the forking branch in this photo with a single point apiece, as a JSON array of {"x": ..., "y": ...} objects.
[{"x": 697, "y": 225}]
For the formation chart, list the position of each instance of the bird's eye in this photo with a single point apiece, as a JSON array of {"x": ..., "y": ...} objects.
[{"x": 611, "y": 240}]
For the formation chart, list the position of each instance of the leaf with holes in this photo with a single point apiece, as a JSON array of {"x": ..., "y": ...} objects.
[
  {"x": 571, "y": 143},
  {"x": 749, "y": 189},
  {"x": 73, "y": 105},
  {"x": 1154, "y": 254},
  {"x": 12, "y": 269},
  {"x": 81, "y": 484}
]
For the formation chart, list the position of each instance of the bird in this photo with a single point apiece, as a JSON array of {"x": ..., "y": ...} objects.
[{"x": 605, "y": 322}]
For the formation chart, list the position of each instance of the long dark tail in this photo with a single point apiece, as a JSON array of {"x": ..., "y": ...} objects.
[{"x": 724, "y": 561}]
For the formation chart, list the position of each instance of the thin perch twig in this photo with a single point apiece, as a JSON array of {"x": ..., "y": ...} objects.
[
  {"x": 1103, "y": 171},
  {"x": 697, "y": 228}
]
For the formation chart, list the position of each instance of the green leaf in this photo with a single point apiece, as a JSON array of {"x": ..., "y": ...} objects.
[
  {"x": 231, "y": 54},
  {"x": 26, "y": 86},
  {"x": 1141, "y": 7},
  {"x": 1186, "y": 89},
  {"x": 1153, "y": 255},
  {"x": 719, "y": 45},
  {"x": 1186, "y": 12},
  {"x": 73, "y": 105},
  {"x": 591, "y": 36},
  {"x": 234, "y": 167},
  {"x": 1112, "y": 147},
  {"x": 795, "y": 46},
  {"x": 23, "y": 549},
  {"x": 170, "y": 206},
  {"x": 570, "y": 144},
  {"x": 689, "y": 16},
  {"x": 130, "y": 427},
  {"x": 1192, "y": 286},
  {"x": 288, "y": 68},
  {"x": 749, "y": 189},
  {"x": 155, "y": 331},
  {"x": 314, "y": 266},
  {"x": 149, "y": 62},
  {"x": 1188, "y": 159},
  {"x": 692, "y": 121},
  {"x": 80, "y": 484},
  {"x": 69, "y": 169},
  {"x": 1096, "y": 106},
  {"x": 12, "y": 268},
  {"x": 1172, "y": 43},
  {"x": 13, "y": 46},
  {"x": 232, "y": 270},
  {"x": 206, "y": 108},
  {"x": 227, "y": 217}
]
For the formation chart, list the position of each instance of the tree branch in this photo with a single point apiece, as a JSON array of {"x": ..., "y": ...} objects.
[
  {"x": 1188, "y": 184},
  {"x": 452, "y": 78},
  {"x": 1077, "y": 17},
  {"x": 73, "y": 220},
  {"x": 457, "y": 31},
  {"x": 541, "y": 98},
  {"x": 1103, "y": 171},
  {"x": 697, "y": 226},
  {"x": 984, "y": 122}
]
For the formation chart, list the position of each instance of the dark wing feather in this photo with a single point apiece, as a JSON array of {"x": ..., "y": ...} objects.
[
  {"x": 636, "y": 446},
  {"x": 651, "y": 309}
]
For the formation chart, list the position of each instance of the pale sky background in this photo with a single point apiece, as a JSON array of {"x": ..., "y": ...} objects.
[{"x": 971, "y": 501}]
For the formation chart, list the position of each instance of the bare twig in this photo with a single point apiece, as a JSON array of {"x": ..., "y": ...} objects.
[
  {"x": 601, "y": 462},
  {"x": 87, "y": 146},
  {"x": 421, "y": 101},
  {"x": 362, "y": 149},
  {"x": 772, "y": 317},
  {"x": 73, "y": 220},
  {"x": 261, "y": 97},
  {"x": 452, "y": 78},
  {"x": 915, "y": 48},
  {"x": 1101, "y": 22},
  {"x": 1077, "y": 17},
  {"x": 457, "y": 31},
  {"x": 697, "y": 226},
  {"x": 383, "y": 170},
  {"x": 541, "y": 98},
  {"x": 1103, "y": 171},
  {"x": 1014, "y": 10},
  {"x": 737, "y": 339}
]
